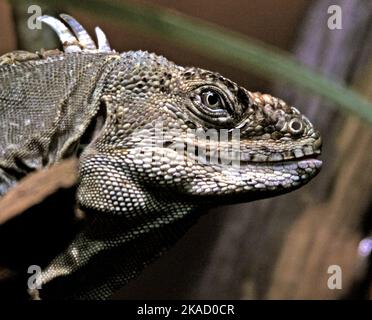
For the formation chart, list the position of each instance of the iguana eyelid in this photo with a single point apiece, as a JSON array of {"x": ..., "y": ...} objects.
[{"x": 227, "y": 103}]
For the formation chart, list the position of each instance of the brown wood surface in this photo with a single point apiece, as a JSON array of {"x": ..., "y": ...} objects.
[{"x": 37, "y": 186}]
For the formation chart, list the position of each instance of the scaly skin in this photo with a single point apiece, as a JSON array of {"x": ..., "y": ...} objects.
[
  {"x": 141, "y": 190},
  {"x": 275, "y": 158}
]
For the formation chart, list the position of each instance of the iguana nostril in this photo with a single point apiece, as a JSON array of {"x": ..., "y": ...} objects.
[{"x": 295, "y": 126}]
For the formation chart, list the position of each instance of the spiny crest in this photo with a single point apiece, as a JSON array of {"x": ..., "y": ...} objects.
[{"x": 78, "y": 40}]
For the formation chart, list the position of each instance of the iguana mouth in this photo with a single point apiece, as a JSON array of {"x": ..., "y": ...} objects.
[
  {"x": 308, "y": 150},
  {"x": 245, "y": 158},
  {"x": 306, "y": 159}
]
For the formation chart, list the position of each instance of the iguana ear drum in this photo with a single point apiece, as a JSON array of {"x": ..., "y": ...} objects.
[{"x": 94, "y": 129}]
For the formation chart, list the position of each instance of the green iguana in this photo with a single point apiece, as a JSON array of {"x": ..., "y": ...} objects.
[{"x": 136, "y": 120}]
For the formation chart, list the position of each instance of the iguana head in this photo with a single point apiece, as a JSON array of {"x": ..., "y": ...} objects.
[
  {"x": 196, "y": 135},
  {"x": 186, "y": 133}
]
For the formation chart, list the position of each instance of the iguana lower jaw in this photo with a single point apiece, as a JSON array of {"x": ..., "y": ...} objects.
[{"x": 231, "y": 185}]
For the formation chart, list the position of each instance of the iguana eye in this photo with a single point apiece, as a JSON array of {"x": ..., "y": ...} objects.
[
  {"x": 212, "y": 99},
  {"x": 211, "y": 105},
  {"x": 213, "y": 102}
]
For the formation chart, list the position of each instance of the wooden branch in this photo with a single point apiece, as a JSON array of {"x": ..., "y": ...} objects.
[{"x": 36, "y": 187}]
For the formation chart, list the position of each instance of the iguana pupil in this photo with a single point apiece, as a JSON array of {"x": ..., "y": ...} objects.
[{"x": 212, "y": 99}]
